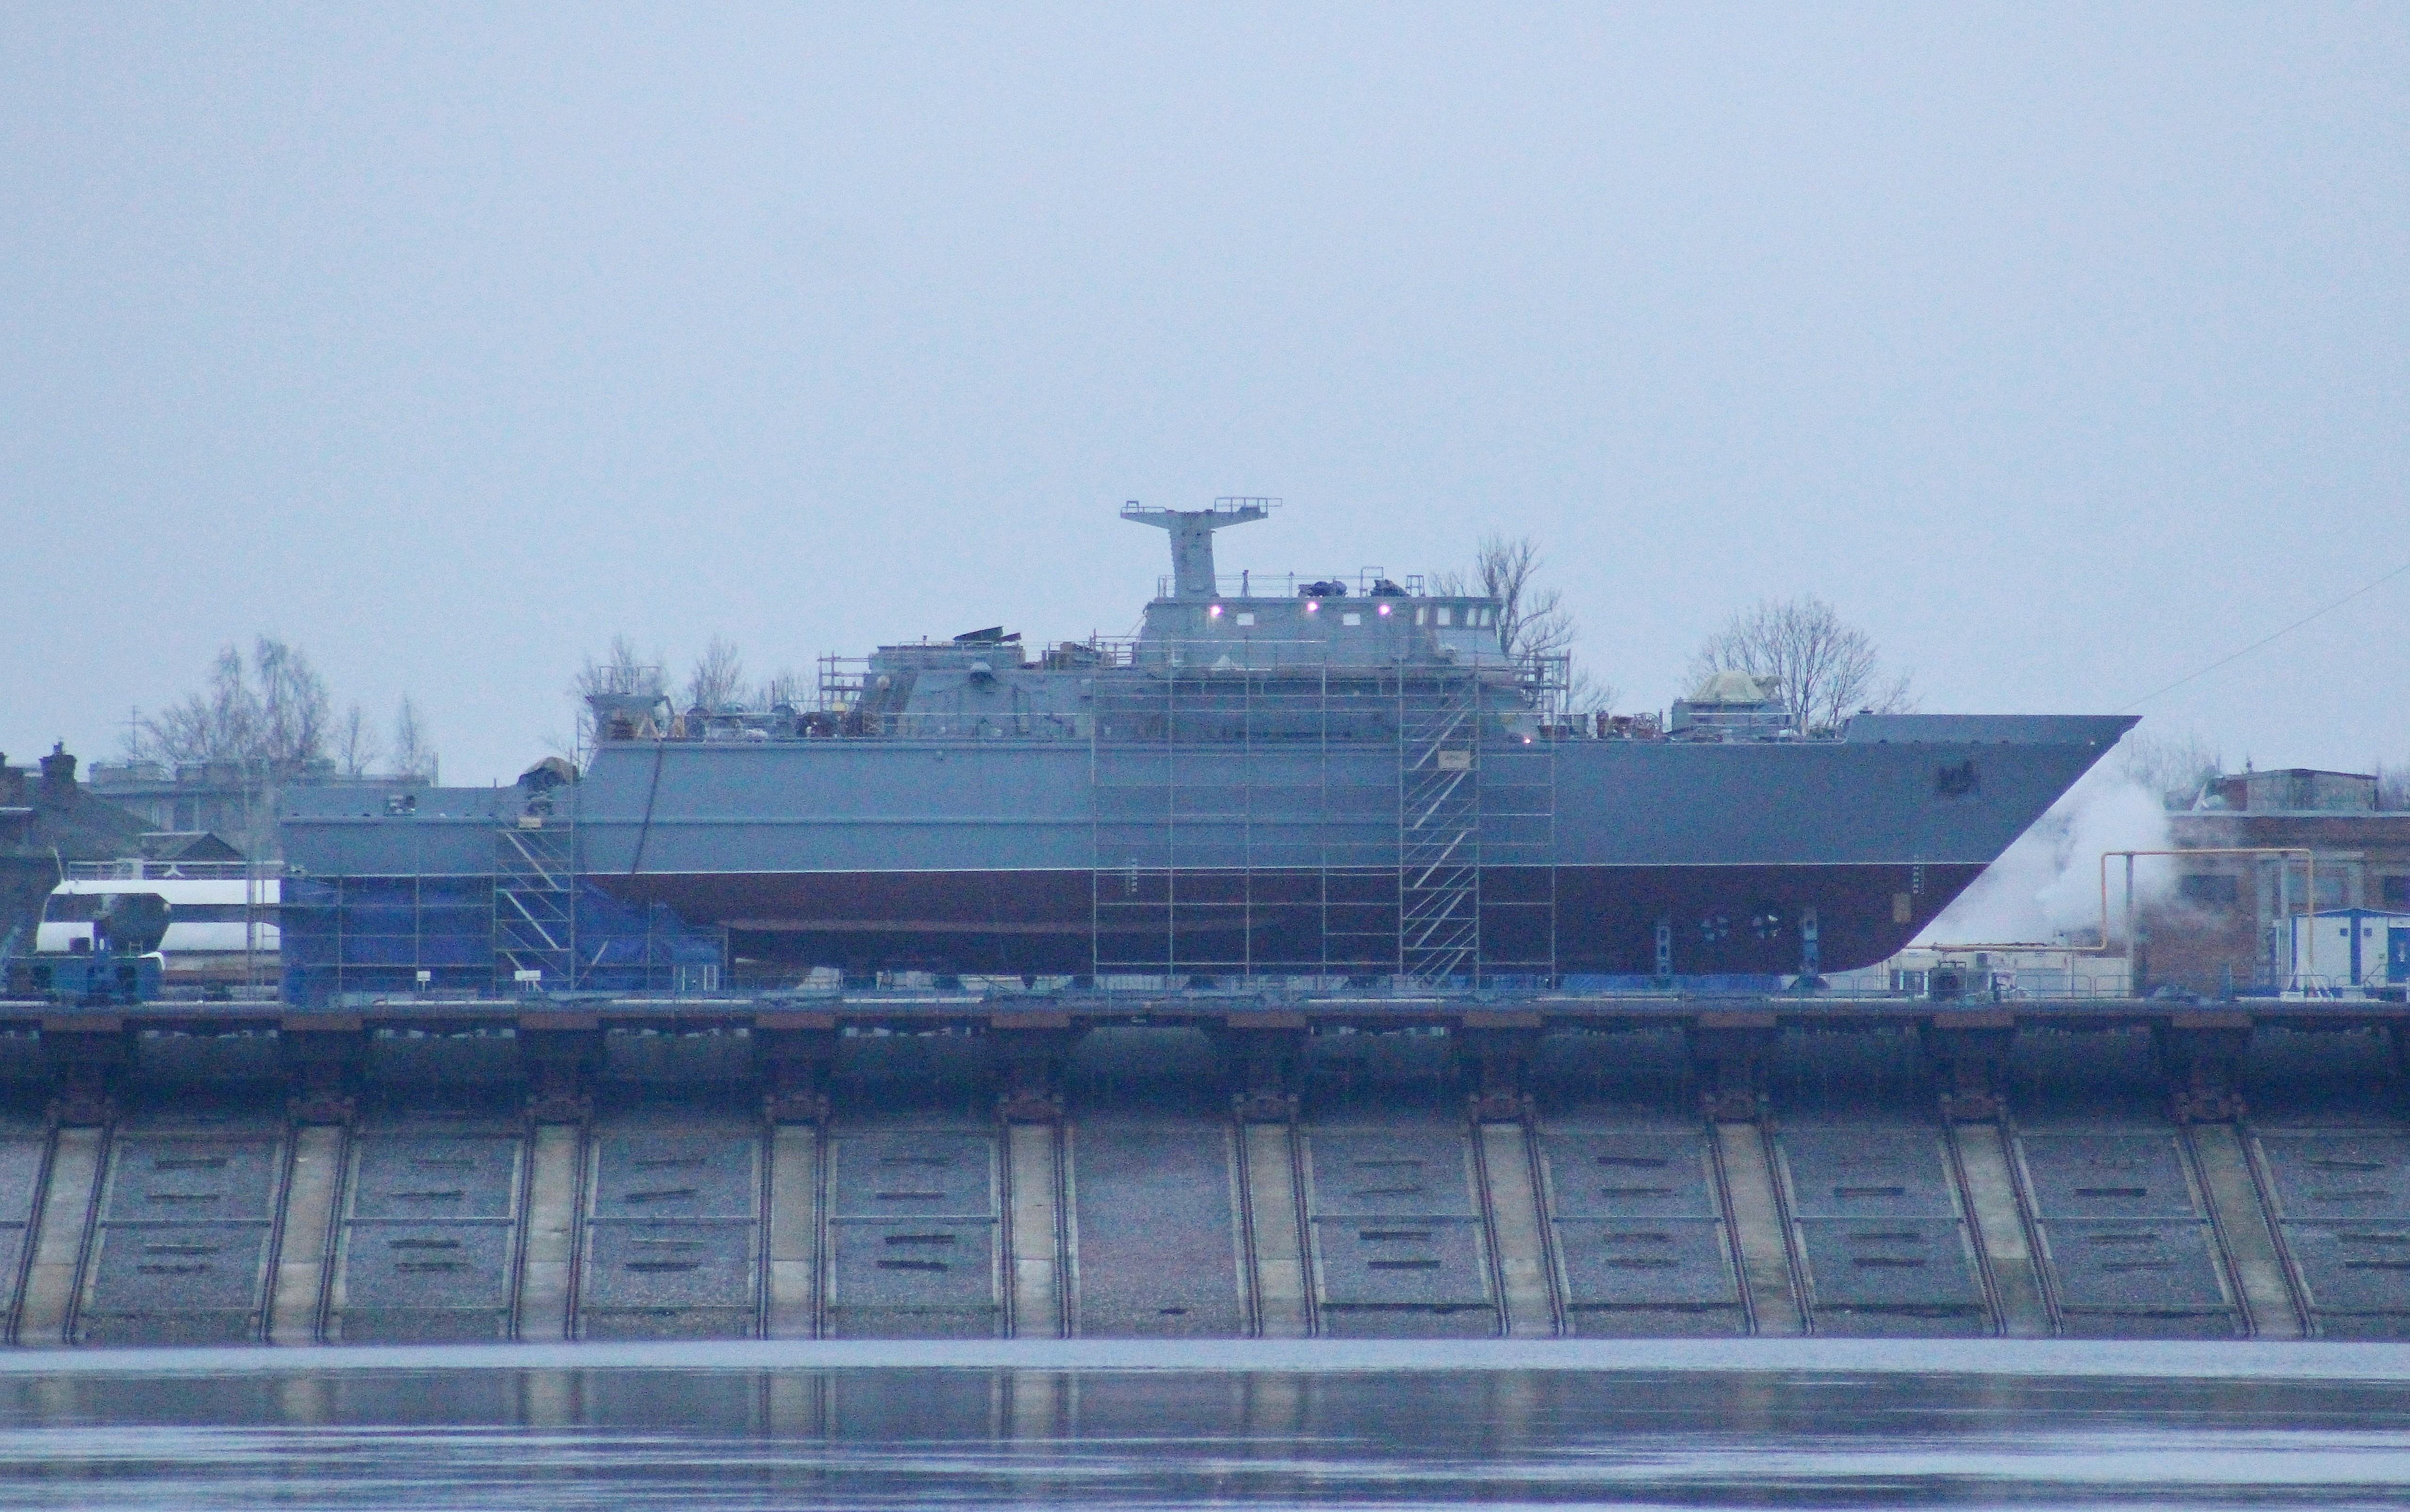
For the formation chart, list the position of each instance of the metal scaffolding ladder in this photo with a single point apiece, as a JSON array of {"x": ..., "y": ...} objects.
[
  {"x": 535, "y": 903},
  {"x": 1439, "y": 829}
]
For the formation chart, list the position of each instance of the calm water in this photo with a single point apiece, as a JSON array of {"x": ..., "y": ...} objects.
[{"x": 762, "y": 1427}]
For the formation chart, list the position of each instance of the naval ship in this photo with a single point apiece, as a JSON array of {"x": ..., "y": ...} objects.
[{"x": 1273, "y": 778}]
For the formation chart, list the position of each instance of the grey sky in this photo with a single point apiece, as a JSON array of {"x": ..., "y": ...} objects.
[{"x": 2065, "y": 349}]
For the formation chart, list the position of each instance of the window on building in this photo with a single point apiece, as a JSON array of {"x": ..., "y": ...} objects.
[
  {"x": 2210, "y": 889},
  {"x": 2394, "y": 893}
]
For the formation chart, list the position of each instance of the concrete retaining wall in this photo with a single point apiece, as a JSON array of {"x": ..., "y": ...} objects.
[{"x": 1629, "y": 1192}]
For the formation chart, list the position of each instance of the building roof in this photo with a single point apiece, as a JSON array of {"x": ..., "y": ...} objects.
[{"x": 188, "y": 845}]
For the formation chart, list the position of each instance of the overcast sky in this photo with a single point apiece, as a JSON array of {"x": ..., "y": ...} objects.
[{"x": 2065, "y": 350}]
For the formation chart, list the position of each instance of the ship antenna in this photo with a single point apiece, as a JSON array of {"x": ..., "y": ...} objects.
[{"x": 1192, "y": 537}]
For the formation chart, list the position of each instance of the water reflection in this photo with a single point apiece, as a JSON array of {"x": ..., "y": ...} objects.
[{"x": 730, "y": 1438}]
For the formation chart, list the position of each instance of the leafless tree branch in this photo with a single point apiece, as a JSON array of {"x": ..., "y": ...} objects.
[
  {"x": 2393, "y": 786},
  {"x": 356, "y": 746},
  {"x": 785, "y": 686},
  {"x": 412, "y": 755},
  {"x": 1505, "y": 569},
  {"x": 620, "y": 671},
  {"x": 2176, "y": 768},
  {"x": 1532, "y": 622},
  {"x": 271, "y": 713},
  {"x": 1585, "y": 694},
  {"x": 717, "y": 676},
  {"x": 1825, "y": 669}
]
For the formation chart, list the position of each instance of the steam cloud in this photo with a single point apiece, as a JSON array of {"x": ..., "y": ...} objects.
[{"x": 2046, "y": 887}]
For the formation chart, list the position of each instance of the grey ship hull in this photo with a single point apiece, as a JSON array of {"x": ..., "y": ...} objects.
[{"x": 1049, "y": 856}]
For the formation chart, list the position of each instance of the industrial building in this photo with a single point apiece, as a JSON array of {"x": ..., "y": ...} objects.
[{"x": 2259, "y": 851}]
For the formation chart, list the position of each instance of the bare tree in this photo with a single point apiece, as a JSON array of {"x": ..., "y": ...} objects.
[
  {"x": 2175, "y": 767},
  {"x": 2393, "y": 786},
  {"x": 1585, "y": 694},
  {"x": 1531, "y": 620},
  {"x": 271, "y": 713},
  {"x": 1533, "y": 624},
  {"x": 786, "y": 687},
  {"x": 1825, "y": 669},
  {"x": 717, "y": 673},
  {"x": 216, "y": 723},
  {"x": 294, "y": 710},
  {"x": 356, "y": 746},
  {"x": 620, "y": 671},
  {"x": 412, "y": 755}
]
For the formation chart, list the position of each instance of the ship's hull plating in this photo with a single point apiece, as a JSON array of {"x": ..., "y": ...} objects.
[
  {"x": 1052, "y": 858},
  {"x": 1604, "y": 920},
  {"x": 1012, "y": 857}
]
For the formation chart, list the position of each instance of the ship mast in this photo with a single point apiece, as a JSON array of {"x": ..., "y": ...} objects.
[{"x": 1192, "y": 538}]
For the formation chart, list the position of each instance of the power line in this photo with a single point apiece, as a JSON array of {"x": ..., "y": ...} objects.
[{"x": 2365, "y": 588}]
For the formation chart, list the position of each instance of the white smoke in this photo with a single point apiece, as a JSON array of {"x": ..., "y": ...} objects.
[{"x": 2046, "y": 887}]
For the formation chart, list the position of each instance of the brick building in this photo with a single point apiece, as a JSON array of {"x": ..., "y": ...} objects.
[
  {"x": 48, "y": 818},
  {"x": 2225, "y": 925}
]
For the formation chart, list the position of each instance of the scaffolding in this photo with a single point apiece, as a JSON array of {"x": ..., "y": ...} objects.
[
  {"x": 1439, "y": 830},
  {"x": 1333, "y": 822},
  {"x": 532, "y": 925},
  {"x": 341, "y": 935},
  {"x": 535, "y": 903}
]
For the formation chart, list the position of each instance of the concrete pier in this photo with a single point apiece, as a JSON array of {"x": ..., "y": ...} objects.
[{"x": 470, "y": 1172}]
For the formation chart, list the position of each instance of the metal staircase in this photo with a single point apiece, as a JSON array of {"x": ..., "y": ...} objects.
[
  {"x": 1439, "y": 829},
  {"x": 535, "y": 903}
]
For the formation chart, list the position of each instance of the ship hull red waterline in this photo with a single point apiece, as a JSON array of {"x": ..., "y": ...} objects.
[{"x": 1604, "y": 919}]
